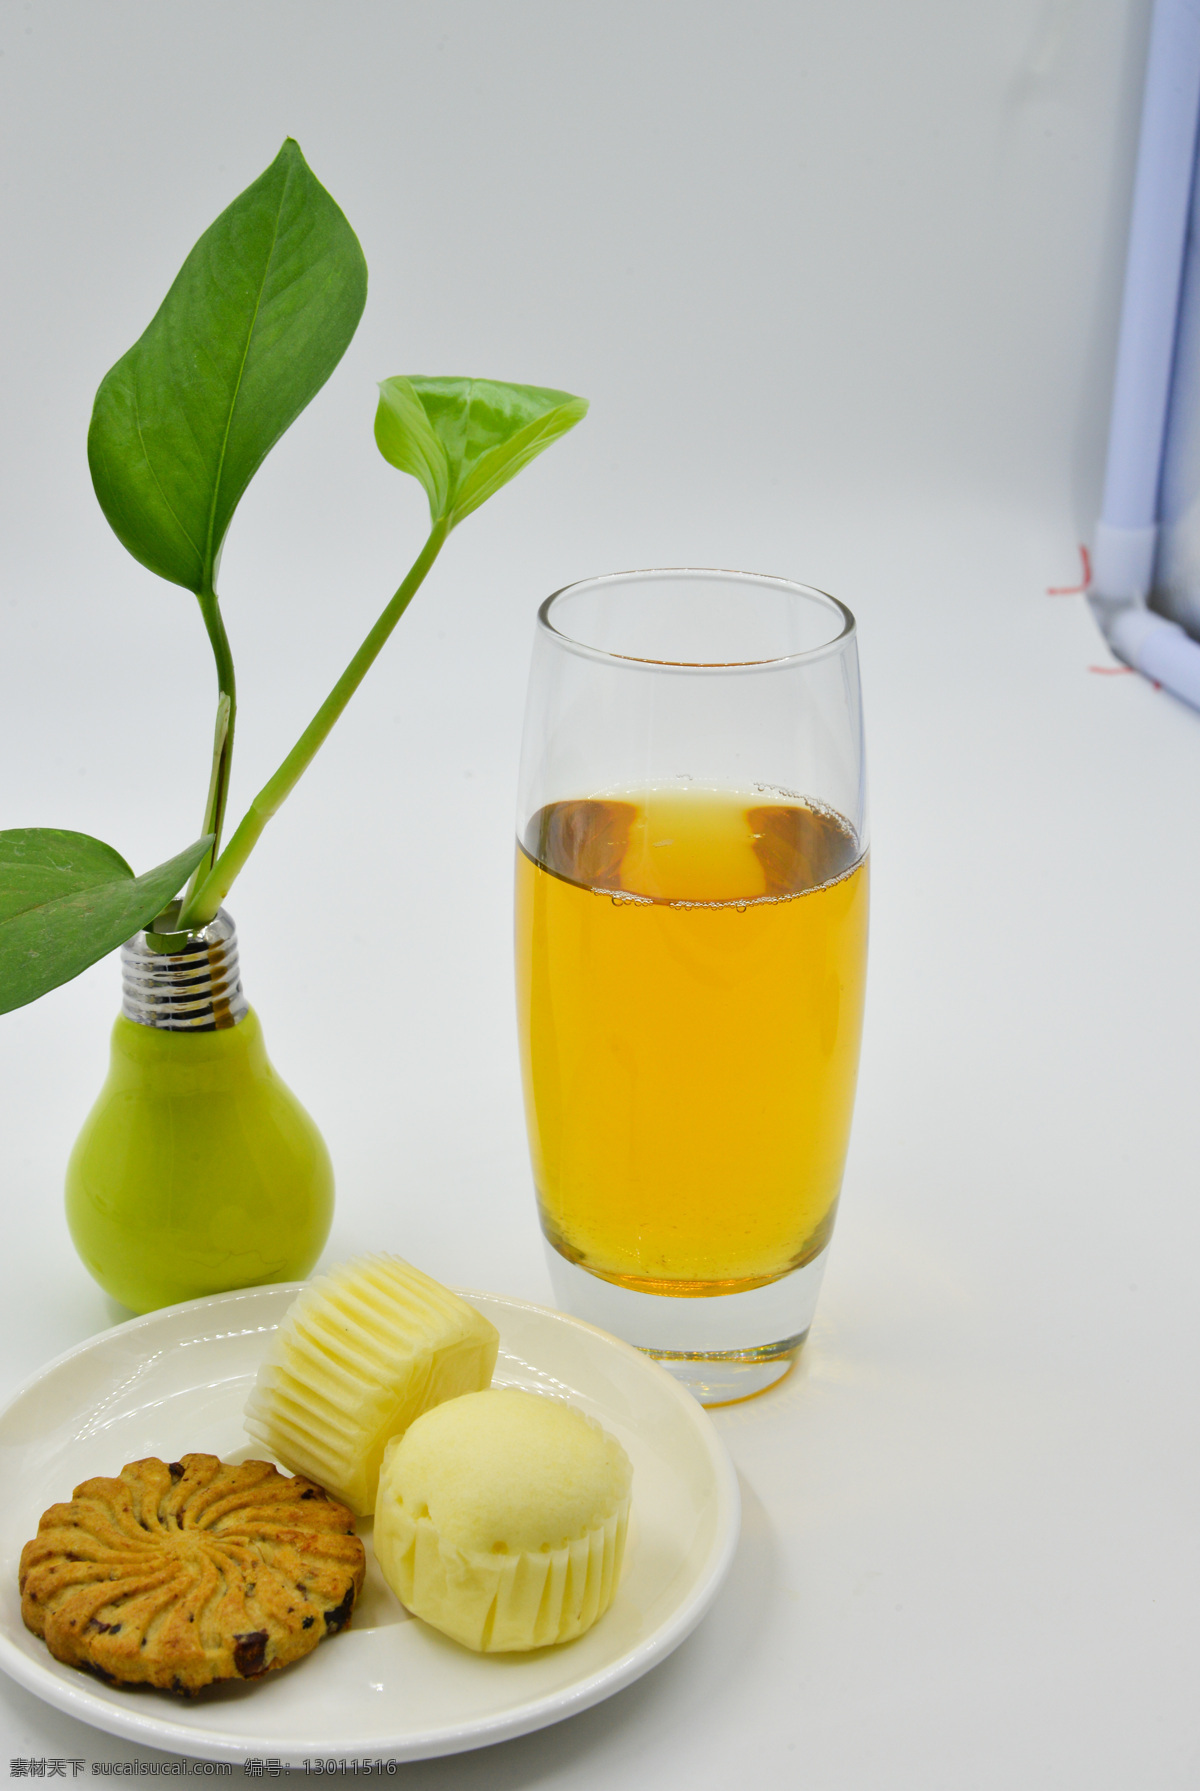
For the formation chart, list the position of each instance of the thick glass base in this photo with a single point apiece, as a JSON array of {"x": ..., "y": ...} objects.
[
  {"x": 720, "y": 1380},
  {"x": 723, "y": 1347}
]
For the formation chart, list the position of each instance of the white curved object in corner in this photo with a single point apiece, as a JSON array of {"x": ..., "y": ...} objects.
[
  {"x": 1126, "y": 537},
  {"x": 1157, "y": 647}
]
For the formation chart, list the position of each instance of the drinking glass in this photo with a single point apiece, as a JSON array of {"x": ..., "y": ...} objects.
[{"x": 691, "y": 924}]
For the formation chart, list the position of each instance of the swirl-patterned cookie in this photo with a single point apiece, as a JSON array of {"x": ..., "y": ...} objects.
[{"x": 182, "y": 1574}]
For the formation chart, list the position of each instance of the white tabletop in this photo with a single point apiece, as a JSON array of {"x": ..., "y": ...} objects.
[{"x": 968, "y": 1552}]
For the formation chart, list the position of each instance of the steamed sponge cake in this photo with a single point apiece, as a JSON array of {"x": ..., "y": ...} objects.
[
  {"x": 361, "y": 1352},
  {"x": 501, "y": 1519}
]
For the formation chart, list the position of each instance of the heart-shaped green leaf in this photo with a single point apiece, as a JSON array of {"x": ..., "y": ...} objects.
[
  {"x": 258, "y": 317},
  {"x": 67, "y": 899},
  {"x": 39, "y": 864},
  {"x": 465, "y": 438}
]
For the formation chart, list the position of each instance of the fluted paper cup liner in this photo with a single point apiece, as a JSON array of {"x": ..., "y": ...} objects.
[
  {"x": 500, "y": 1603},
  {"x": 501, "y": 1519},
  {"x": 363, "y": 1351}
]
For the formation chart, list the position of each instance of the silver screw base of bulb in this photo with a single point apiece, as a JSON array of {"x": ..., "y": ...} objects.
[{"x": 194, "y": 988}]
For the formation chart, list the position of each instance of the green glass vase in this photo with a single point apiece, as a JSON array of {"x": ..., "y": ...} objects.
[{"x": 197, "y": 1170}]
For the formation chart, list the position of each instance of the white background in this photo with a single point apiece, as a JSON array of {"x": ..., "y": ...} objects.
[{"x": 841, "y": 283}]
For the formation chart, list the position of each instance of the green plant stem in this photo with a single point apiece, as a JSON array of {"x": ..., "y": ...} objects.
[
  {"x": 200, "y": 907},
  {"x": 222, "y": 759}
]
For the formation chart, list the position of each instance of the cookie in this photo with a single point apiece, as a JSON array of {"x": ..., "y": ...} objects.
[{"x": 185, "y": 1573}]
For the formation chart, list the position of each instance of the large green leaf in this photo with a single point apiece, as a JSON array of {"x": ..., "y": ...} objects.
[
  {"x": 66, "y": 900},
  {"x": 258, "y": 317},
  {"x": 465, "y": 438}
]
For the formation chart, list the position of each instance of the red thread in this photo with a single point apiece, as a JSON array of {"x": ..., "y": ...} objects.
[
  {"x": 1074, "y": 590},
  {"x": 1112, "y": 671}
]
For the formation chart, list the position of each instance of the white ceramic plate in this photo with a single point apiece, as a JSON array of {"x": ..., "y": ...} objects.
[{"x": 389, "y": 1687}]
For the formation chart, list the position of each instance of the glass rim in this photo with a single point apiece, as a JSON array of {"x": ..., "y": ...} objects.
[{"x": 807, "y": 655}]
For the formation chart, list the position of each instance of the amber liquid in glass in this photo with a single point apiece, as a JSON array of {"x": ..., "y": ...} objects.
[{"x": 690, "y": 972}]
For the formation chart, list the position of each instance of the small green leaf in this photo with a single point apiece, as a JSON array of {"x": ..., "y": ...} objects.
[
  {"x": 405, "y": 437},
  {"x": 465, "y": 438},
  {"x": 258, "y": 317},
  {"x": 67, "y": 899}
]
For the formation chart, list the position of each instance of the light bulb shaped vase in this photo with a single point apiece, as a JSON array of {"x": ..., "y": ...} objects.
[{"x": 197, "y": 1169}]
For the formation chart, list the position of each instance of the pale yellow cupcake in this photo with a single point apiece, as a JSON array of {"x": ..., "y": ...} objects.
[
  {"x": 361, "y": 1352},
  {"x": 501, "y": 1519}
]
